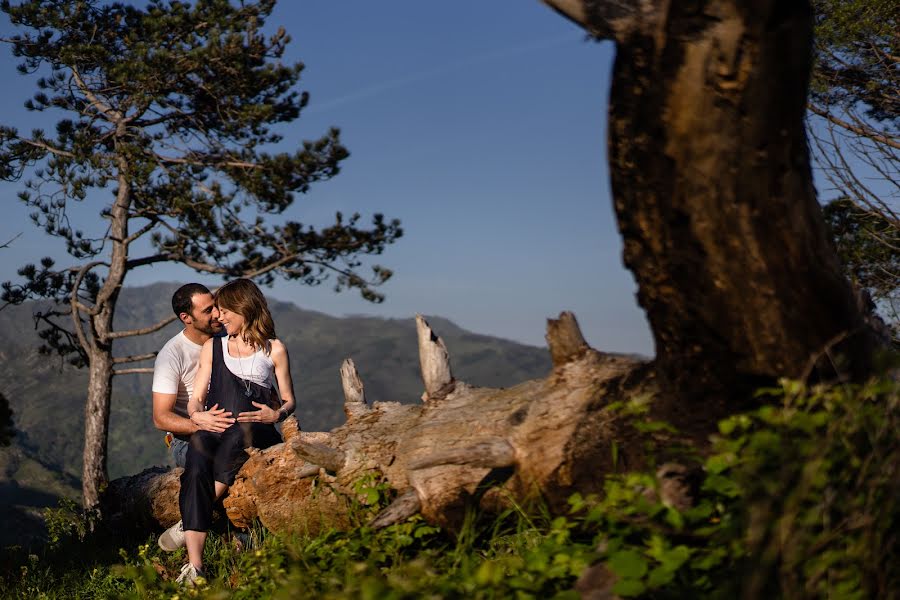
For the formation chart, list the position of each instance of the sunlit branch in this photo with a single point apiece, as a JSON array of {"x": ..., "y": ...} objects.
[
  {"x": 866, "y": 132},
  {"x": 78, "y": 306},
  {"x": 211, "y": 163},
  {"x": 133, "y": 371},
  {"x": 114, "y": 115},
  {"x": 47, "y": 147},
  {"x": 145, "y": 330},
  {"x": 134, "y": 358}
]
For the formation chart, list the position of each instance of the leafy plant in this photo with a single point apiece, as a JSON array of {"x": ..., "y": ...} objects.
[
  {"x": 798, "y": 499},
  {"x": 67, "y": 523}
]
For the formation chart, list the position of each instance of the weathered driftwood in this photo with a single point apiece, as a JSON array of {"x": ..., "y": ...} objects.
[
  {"x": 354, "y": 391},
  {"x": 434, "y": 361},
  {"x": 463, "y": 445}
]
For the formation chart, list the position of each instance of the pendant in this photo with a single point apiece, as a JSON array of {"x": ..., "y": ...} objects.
[{"x": 248, "y": 393}]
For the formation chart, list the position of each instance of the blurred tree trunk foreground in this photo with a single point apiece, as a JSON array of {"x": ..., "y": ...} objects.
[{"x": 714, "y": 196}]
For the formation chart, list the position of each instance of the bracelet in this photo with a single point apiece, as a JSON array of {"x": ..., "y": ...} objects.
[{"x": 282, "y": 415}]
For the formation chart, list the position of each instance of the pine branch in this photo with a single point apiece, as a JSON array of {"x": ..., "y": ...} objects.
[
  {"x": 47, "y": 147},
  {"x": 133, "y": 371},
  {"x": 100, "y": 106},
  {"x": 858, "y": 130},
  {"x": 9, "y": 242},
  {"x": 114, "y": 335},
  {"x": 210, "y": 162},
  {"x": 134, "y": 358},
  {"x": 140, "y": 232}
]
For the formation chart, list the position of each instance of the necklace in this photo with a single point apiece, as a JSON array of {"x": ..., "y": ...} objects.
[{"x": 244, "y": 380}]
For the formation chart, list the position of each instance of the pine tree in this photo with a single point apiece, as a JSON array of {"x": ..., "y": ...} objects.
[{"x": 169, "y": 110}]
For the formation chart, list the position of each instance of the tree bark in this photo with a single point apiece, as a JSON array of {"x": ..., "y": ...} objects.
[
  {"x": 100, "y": 352},
  {"x": 714, "y": 197},
  {"x": 96, "y": 428}
]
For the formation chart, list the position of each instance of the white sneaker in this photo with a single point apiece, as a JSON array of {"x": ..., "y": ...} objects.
[
  {"x": 172, "y": 538},
  {"x": 190, "y": 576}
]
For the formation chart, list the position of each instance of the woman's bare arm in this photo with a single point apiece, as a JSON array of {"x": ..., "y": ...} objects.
[
  {"x": 201, "y": 378},
  {"x": 266, "y": 414},
  {"x": 283, "y": 376}
]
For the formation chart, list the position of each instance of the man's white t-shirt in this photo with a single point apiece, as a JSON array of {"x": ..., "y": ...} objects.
[{"x": 174, "y": 370}]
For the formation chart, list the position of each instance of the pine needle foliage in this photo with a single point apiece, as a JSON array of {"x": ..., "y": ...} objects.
[
  {"x": 169, "y": 110},
  {"x": 170, "y": 121}
]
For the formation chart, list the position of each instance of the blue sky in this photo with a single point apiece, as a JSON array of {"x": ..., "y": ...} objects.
[{"x": 481, "y": 125}]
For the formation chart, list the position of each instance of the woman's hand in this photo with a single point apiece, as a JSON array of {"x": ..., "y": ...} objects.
[
  {"x": 215, "y": 419},
  {"x": 265, "y": 414}
]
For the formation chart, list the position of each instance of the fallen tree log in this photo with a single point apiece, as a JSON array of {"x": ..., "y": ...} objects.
[{"x": 463, "y": 445}]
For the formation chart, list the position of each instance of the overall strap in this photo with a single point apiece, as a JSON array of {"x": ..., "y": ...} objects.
[
  {"x": 217, "y": 385},
  {"x": 218, "y": 357},
  {"x": 229, "y": 390}
]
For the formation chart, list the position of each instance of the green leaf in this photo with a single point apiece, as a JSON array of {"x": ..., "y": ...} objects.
[
  {"x": 718, "y": 463},
  {"x": 674, "y": 518},
  {"x": 659, "y": 577},
  {"x": 627, "y": 564},
  {"x": 675, "y": 557},
  {"x": 722, "y": 485},
  {"x": 629, "y": 588}
]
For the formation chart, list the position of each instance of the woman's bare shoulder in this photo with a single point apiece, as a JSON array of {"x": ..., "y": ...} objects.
[{"x": 277, "y": 348}]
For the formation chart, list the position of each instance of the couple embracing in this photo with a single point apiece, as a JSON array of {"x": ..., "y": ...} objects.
[{"x": 219, "y": 387}]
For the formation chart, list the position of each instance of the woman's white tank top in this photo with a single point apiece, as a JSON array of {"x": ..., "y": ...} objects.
[{"x": 258, "y": 367}]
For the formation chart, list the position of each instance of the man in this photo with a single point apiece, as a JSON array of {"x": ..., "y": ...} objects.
[{"x": 173, "y": 373}]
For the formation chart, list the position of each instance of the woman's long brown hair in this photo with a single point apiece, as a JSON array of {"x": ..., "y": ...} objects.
[{"x": 243, "y": 297}]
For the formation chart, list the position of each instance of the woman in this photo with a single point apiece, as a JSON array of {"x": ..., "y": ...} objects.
[{"x": 239, "y": 370}]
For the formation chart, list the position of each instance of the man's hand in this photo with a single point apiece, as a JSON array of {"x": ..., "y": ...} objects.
[
  {"x": 265, "y": 414},
  {"x": 215, "y": 419}
]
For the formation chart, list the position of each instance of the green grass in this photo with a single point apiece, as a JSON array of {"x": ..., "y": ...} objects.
[{"x": 408, "y": 560}]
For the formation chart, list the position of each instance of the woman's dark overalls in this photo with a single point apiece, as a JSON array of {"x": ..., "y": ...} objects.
[{"x": 219, "y": 456}]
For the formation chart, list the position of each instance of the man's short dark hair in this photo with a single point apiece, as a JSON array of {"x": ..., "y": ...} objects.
[{"x": 182, "y": 299}]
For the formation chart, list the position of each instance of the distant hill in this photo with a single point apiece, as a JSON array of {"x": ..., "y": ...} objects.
[{"x": 47, "y": 396}]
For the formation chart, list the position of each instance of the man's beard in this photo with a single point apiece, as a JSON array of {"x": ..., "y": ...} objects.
[{"x": 211, "y": 328}]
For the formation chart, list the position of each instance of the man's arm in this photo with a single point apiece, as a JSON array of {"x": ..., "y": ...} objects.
[{"x": 166, "y": 419}]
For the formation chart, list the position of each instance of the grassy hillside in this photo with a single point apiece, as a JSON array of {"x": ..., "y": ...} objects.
[{"x": 47, "y": 395}]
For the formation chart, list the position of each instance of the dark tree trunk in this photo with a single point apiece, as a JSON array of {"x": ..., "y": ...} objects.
[
  {"x": 714, "y": 196},
  {"x": 96, "y": 428},
  {"x": 99, "y": 345}
]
